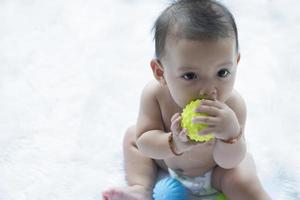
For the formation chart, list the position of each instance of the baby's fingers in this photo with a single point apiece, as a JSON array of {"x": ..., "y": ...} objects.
[
  {"x": 183, "y": 135},
  {"x": 175, "y": 126},
  {"x": 210, "y": 110},
  {"x": 206, "y": 131},
  {"x": 213, "y": 103},
  {"x": 175, "y": 116},
  {"x": 205, "y": 120}
]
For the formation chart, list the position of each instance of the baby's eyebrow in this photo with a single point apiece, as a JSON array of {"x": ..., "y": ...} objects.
[
  {"x": 225, "y": 64},
  {"x": 186, "y": 68},
  {"x": 190, "y": 68}
]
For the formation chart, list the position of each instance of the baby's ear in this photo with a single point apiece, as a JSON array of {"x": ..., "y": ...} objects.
[
  {"x": 158, "y": 71},
  {"x": 238, "y": 58}
]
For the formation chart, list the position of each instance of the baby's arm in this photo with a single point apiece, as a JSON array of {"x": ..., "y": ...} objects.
[
  {"x": 226, "y": 122},
  {"x": 152, "y": 140},
  {"x": 230, "y": 155}
]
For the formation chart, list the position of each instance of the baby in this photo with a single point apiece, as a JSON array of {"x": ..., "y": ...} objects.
[{"x": 197, "y": 53}]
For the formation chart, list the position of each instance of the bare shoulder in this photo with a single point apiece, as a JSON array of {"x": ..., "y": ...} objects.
[
  {"x": 151, "y": 92},
  {"x": 152, "y": 87},
  {"x": 149, "y": 117},
  {"x": 237, "y": 103}
]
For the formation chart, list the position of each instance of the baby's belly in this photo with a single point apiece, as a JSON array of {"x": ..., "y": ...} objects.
[{"x": 193, "y": 163}]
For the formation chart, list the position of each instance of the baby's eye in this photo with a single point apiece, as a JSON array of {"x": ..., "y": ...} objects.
[
  {"x": 223, "y": 73},
  {"x": 189, "y": 76}
]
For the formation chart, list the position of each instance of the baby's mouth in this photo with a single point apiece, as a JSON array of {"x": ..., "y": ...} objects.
[{"x": 205, "y": 96}]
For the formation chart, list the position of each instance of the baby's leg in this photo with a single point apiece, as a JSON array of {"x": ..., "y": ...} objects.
[
  {"x": 140, "y": 173},
  {"x": 240, "y": 183}
]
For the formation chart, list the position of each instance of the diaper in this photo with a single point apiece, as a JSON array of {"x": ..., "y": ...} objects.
[{"x": 197, "y": 186}]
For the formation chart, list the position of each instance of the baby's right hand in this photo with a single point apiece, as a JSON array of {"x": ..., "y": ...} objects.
[{"x": 181, "y": 141}]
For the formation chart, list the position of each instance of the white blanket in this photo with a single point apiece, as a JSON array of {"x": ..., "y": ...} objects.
[{"x": 71, "y": 73}]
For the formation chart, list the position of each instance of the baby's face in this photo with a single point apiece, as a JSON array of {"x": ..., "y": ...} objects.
[{"x": 193, "y": 69}]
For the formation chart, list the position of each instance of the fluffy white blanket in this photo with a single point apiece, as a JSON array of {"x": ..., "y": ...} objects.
[{"x": 71, "y": 73}]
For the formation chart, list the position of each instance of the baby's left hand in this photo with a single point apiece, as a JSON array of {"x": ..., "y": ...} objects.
[{"x": 221, "y": 120}]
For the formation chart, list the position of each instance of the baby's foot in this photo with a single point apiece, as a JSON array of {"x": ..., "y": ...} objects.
[{"x": 136, "y": 192}]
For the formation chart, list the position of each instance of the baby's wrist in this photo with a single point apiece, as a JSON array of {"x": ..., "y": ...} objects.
[
  {"x": 172, "y": 145},
  {"x": 234, "y": 139}
]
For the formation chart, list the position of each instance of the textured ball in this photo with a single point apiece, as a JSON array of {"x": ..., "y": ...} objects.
[
  {"x": 187, "y": 116},
  {"x": 169, "y": 189},
  {"x": 221, "y": 196}
]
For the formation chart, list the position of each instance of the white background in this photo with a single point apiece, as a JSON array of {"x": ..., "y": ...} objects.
[{"x": 71, "y": 73}]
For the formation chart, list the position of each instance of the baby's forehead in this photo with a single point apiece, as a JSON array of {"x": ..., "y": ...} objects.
[
  {"x": 173, "y": 41},
  {"x": 183, "y": 50}
]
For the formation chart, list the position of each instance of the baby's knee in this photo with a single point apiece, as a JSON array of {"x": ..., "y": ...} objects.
[{"x": 243, "y": 177}]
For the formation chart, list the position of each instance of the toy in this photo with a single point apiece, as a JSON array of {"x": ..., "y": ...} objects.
[
  {"x": 187, "y": 115},
  {"x": 169, "y": 189},
  {"x": 221, "y": 196}
]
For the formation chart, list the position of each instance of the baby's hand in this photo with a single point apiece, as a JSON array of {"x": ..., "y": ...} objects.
[
  {"x": 221, "y": 120},
  {"x": 181, "y": 141}
]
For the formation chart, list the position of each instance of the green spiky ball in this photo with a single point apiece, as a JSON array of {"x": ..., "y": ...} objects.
[
  {"x": 187, "y": 116},
  {"x": 221, "y": 196}
]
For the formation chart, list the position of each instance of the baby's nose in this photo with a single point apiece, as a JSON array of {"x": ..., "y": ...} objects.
[{"x": 208, "y": 94}]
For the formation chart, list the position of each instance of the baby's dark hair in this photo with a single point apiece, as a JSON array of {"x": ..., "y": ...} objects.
[{"x": 195, "y": 20}]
